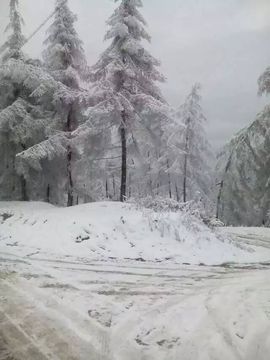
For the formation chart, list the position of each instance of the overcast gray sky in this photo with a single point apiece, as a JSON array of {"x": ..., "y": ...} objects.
[{"x": 224, "y": 44}]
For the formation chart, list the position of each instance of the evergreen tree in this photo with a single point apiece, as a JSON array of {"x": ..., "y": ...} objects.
[
  {"x": 65, "y": 59},
  {"x": 27, "y": 93},
  {"x": 196, "y": 153},
  {"x": 243, "y": 171},
  {"x": 65, "y": 161},
  {"x": 12, "y": 108},
  {"x": 12, "y": 47},
  {"x": 125, "y": 78},
  {"x": 28, "y": 98},
  {"x": 175, "y": 153},
  {"x": 64, "y": 55}
]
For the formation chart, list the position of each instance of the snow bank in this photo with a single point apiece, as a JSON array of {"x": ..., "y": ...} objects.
[{"x": 109, "y": 230}]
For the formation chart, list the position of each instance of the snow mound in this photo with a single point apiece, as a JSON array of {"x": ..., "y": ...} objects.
[{"x": 110, "y": 230}]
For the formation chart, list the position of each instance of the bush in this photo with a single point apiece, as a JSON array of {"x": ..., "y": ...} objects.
[
  {"x": 158, "y": 204},
  {"x": 166, "y": 205}
]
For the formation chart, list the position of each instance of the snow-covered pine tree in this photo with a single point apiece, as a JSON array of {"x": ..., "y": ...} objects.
[
  {"x": 64, "y": 58},
  {"x": 26, "y": 98},
  {"x": 243, "y": 171},
  {"x": 195, "y": 148},
  {"x": 64, "y": 55},
  {"x": 175, "y": 153},
  {"x": 11, "y": 108},
  {"x": 13, "y": 45},
  {"x": 125, "y": 78},
  {"x": 66, "y": 159}
]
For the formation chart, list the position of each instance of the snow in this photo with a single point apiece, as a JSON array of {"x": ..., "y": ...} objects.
[
  {"x": 73, "y": 309},
  {"x": 66, "y": 296},
  {"x": 117, "y": 281},
  {"x": 113, "y": 230}
]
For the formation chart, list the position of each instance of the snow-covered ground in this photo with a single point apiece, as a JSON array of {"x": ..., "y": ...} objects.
[
  {"x": 63, "y": 296},
  {"x": 111, "y": 230}
]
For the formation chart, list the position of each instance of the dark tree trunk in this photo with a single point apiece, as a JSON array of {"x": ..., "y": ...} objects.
[
  {"x": 71, "y": 125},
  {"x": 129, "y": 187},
  {"x": 219, "y": 198},
  {"x": 169, "y": 179},
  {"x": 114, "y": 187},
  {"x": 107, "y": 190},
  {"x": 177, "y": 193},
  {"x": 123, "y": 190},
  {"x": 23, "y": 182},
  {"x": 186, "y": 163},
  {"x": 185, "y": 180},
  {"x": 221, "y": 185},
  {"x": 24, "y": 190},
  {"x": 150, "y": 179},
  {"x": 48, "y": 193},
  {"x": 70, "y": 180}
]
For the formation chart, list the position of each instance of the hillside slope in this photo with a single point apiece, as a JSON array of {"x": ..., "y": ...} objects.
[{"x": 109, "y": 230}]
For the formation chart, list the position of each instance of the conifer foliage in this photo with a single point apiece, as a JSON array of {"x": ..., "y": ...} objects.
[
  {"x": 64, "y": 55},
  {"x": 243, "y": 170},
  {"x": 191, "y": 150},
  {"x": 26, "y": 92},
  {"x": 12, "y": 47},
  {"x": 71, "y": 134},
  {"x": 64, "y": 60},
  {"x": 126, "y": 76}
]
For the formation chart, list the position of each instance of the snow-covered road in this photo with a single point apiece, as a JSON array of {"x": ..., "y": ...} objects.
[{"x": 73, "y": 309}]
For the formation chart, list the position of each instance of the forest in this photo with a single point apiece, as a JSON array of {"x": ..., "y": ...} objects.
[
  {"x": 74, "y": 132},
  {"x": 125, "y": 233}
]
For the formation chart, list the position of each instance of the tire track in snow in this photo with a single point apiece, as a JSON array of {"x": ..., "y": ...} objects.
[{"x": 56, "y": 333}]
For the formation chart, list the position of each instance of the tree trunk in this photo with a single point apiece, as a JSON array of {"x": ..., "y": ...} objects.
[
  {"x": 70, "y": 180},
  {"x": 169, "y": 179},
  {"x": 48, "y": 193},
  {"x": 107, "y": 190},
  {"x": 177, "y": 193},
  {"x": 219, "y": 198},
  {"x": 123, "y": 190},
  {"x": 114, "y": 188},
  {"x": 185, "y": 180},
  {"x": 23, "y": 182},
  {"x": 221, "y": 185},
  {"x": 129, "y": 187},
  {"x": 186, "y": 165},
  {"x": 150, "y": 178},
  {"x": 70, "y": 186},
  {"x": 24, "y": 190}
]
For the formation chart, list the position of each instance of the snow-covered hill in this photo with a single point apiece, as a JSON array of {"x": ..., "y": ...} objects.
[{"x": 110, "y": 230}]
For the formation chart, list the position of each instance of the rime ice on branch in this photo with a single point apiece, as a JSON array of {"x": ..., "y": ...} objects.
[{"x": 125, "y": 78}]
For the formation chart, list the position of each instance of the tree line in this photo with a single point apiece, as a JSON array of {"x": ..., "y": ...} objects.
[{"x": 72, "y": 133}]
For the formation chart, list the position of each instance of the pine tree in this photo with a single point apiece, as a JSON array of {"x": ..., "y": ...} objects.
[
  {"x": 12, "y": 47},
  {"x": 65, "y": 59},
  {"x": 175, "y": 153},
  {"x": 63, "y": 164},
  {"x": 27, "y": 93},
  {"x": 243, "y": 170},
  {"x": 195, "y": 149},
  {"x": 28, "y": 98},
  {"x": 11, "y": 108},
  {"x": 66, "y": 162},
  {"x": 64, "y": 55},
  {"x": 125, "y": 78}
]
